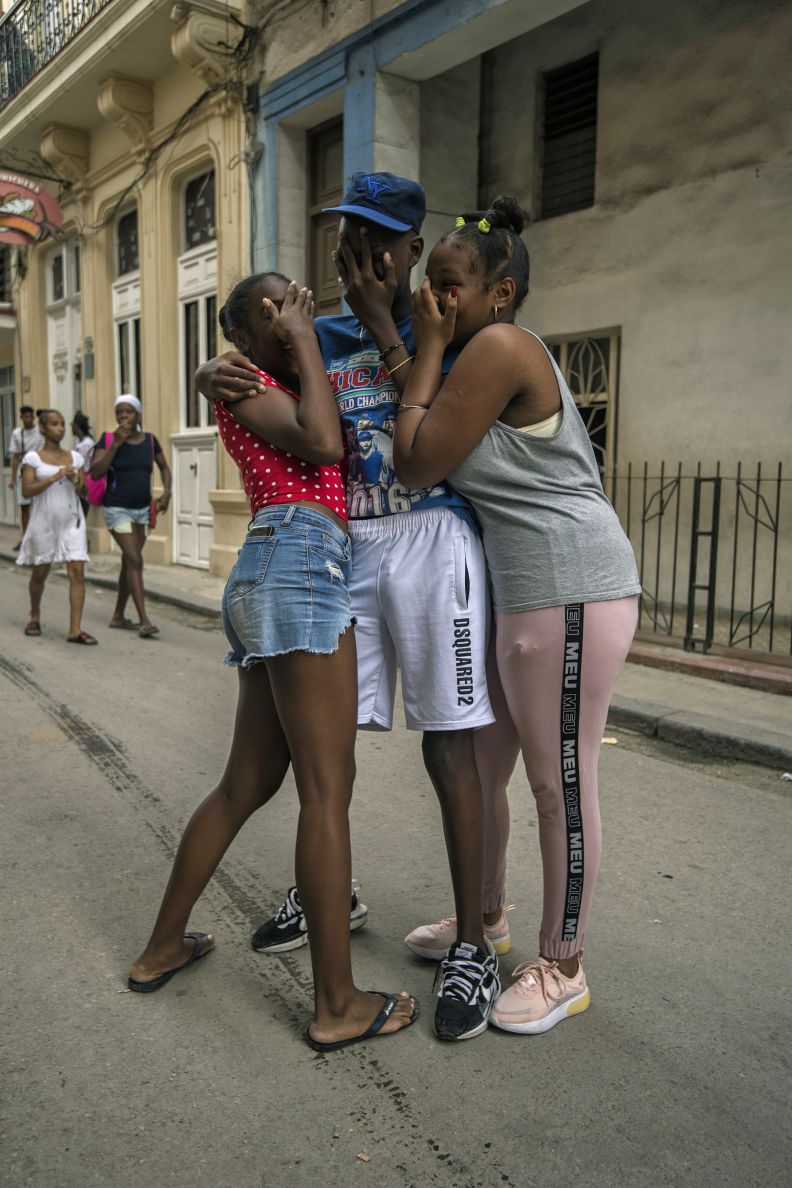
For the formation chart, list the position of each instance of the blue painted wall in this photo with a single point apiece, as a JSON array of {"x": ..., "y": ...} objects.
[{"x": 352, "y": 66}]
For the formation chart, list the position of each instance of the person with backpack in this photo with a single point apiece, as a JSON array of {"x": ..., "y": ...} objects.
[{"x": 125, "y": 460}]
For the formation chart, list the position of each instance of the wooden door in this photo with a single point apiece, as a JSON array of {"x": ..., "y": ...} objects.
[{"x": 326, "y": 180}]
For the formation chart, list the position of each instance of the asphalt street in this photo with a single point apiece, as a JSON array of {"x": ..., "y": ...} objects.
[{"x": 677, "y": 1075}]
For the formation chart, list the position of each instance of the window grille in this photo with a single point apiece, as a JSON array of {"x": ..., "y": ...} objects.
[
  {"x": 5, "y": 276},
  {"x": 58, "y": 281},
  {"x": 199, "y": 210},
  {"x": 569, "y": 137},
  {"x": 127, "y": 236},
  {"x": 590, "y": 366}
]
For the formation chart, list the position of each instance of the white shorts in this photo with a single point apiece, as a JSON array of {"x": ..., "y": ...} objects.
[{"x": 420, "y": 597}]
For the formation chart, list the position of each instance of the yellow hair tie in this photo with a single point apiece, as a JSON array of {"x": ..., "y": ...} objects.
[
  {"x": 459, "y": 221},
  {"x": 484, "y": 226}
]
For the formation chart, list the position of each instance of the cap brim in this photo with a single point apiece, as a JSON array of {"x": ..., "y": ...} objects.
[{"x": 369, "y": 216}]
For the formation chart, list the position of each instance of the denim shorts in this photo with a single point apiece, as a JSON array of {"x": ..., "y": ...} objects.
[
  {"x": 121, "y": 519},
  {"x": 289, "y": 590}
]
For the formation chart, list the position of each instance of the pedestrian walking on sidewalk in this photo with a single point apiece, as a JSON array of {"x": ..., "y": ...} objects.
[
  {"x": 52, "y": 479},
  {"x": 23, "y": 438},
  {"x": 287, "y": 617},
  {"x": 126, "y": 459},
  {"x": 503, "y": 428},
  {"x": 84, "y": 445}
]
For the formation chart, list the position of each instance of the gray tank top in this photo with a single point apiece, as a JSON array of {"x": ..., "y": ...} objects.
[{"x": 550, "y": 534}]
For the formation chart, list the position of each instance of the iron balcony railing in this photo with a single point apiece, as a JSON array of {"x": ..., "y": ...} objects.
[{"x": 33, "y": 32}]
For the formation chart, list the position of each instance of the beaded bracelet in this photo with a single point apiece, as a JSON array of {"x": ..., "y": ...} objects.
[{"x": 384, "y": 354}]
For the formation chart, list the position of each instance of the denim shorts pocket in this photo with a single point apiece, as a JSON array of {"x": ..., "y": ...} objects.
[
  {"x": 251, "y": 567},
  {"x": 331, "y": 546}
]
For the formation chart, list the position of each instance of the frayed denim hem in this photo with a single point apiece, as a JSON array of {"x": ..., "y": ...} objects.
[{"x": 250, "y": 659}]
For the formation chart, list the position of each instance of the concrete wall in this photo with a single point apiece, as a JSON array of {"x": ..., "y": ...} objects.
[
  {"x": 688, "y": 244},
  {"x": 292, "y": 38}
]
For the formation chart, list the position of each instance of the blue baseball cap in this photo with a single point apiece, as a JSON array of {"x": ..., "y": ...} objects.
[{"x": 383, "y": 198}]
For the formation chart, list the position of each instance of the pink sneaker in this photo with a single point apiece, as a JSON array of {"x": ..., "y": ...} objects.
[
  {"x": 433, "y": 941},
  {"x": 540, "y": 997}
]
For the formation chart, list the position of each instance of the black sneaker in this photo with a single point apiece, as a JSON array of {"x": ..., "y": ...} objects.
[
  {"x": 467, "y": 992},
  {"x": 287, "y": 928}
]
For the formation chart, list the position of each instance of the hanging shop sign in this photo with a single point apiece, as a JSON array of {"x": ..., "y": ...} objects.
[{"x": 28, "y": 214}]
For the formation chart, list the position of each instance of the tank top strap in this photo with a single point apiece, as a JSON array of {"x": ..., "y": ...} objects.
[{"x": 563, "y": 386}]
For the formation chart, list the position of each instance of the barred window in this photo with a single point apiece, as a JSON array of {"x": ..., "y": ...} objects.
[
  {"x": 199, "y": 210},
  {"x": 5, "y": 276},
  {"x": 590, "y": 366},
  {"x": 569, "y": 137},
  {"x": 127, "y": 238}
]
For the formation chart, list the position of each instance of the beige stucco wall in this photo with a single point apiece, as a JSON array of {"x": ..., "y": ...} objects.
[
  {"x": 215, "y": 138},
  {"x": 687, "y": 247}
]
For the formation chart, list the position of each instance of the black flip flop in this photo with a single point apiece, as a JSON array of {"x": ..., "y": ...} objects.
[
  {"x": 199, "y": 951},
  {"x": 373, "y": 1029},
  {"x": 82, "y": 638}
]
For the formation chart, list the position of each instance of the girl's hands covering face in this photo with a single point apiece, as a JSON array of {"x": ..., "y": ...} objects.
[
  {"x": 430, "y": 326},
  {"x": 293, "y": 323}
]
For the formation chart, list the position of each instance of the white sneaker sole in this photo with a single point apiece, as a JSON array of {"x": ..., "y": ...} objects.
[
  {"x": 297, "y": 942},
  {"x": 427, "y": 954},
  {"x": 468, "y": 1034},
  {"x": 565, "y": 1010}
]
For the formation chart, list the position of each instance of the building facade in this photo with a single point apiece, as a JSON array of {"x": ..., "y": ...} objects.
[
  {"x": 649, "y": 143},
  {"x": 132, "y": 113}
]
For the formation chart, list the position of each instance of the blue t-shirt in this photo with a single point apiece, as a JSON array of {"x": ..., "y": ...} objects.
[{"x": 368, "y": 400}]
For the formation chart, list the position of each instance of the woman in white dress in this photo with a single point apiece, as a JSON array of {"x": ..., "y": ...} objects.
[{"x": 52, "y": 478}]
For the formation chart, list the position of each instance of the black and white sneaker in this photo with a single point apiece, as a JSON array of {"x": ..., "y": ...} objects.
[
  {"x": 287, "y": 929},
  {"x": 469, "y": 987}
]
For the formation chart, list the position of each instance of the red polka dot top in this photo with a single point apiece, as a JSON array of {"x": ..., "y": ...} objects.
[{"x": 270, "y": 475}]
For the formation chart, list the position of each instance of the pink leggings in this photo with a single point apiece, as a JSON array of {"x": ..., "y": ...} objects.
[{"x": 551, "y": 673}]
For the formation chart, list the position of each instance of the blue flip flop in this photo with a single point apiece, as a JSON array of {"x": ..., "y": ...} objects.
[
  {"x": 198, "y": 952},
  {"x": 374, "y": 1028}
]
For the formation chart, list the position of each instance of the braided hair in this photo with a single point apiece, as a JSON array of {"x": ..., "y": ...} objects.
[
  {"x": 235, "y": 314},
  {"x": 493, "y": 237}
]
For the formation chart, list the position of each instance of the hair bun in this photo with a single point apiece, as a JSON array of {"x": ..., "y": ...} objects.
[
  {"x": 222, "y": 318},
  {"x": 507, "y": 212}
]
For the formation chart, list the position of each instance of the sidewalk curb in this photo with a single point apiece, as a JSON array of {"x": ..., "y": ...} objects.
[
  {"x": 700, "y": 732},
  {"x": 152, "y": 593}
]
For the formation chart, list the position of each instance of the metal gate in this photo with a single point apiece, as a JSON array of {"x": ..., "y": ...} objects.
[{"x": 714, "y": 553}]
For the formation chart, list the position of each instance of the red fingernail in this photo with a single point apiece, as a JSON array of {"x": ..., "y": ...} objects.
[{"x": 453, "y": 290}]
